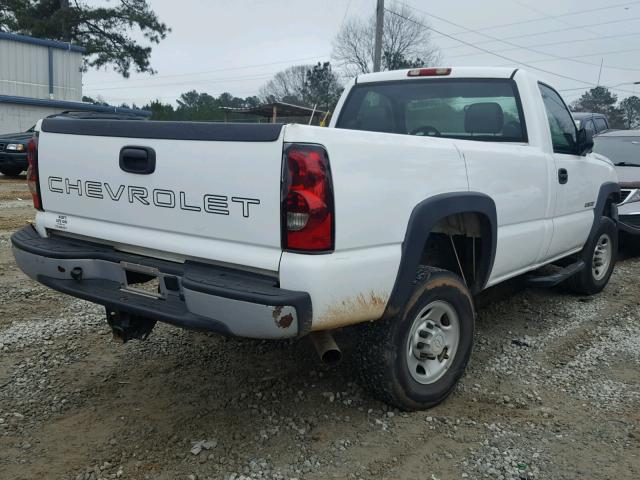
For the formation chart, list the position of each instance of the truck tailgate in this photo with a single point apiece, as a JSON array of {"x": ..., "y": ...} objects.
[{"x": 214, "y": 191}]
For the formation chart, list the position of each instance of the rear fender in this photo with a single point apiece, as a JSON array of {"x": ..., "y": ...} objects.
[{"x": 422, "y": 221}]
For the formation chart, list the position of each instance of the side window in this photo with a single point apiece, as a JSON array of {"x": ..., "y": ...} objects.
[
  {"x": 561, "y": 124},
  {"x": 601, "y": 124},
  {"x": 589, "y": 127}
]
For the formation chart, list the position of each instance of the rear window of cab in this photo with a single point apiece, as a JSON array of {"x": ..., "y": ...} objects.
[{"x": 472, "y": 109}]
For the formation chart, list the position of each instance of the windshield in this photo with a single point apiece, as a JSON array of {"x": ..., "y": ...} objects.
[
  {"x": 472, "y": 109},
  {"x": 619, "y": 149}
]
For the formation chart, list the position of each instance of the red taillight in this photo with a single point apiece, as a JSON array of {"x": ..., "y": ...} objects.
[
  {"x": 32, "y": 172},
  {"x": 428, "y": 72},
  {"x": 307, "y": 200}
]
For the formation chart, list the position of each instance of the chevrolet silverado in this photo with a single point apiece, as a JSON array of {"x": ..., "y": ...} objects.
[{"x": 431, "y": 185}]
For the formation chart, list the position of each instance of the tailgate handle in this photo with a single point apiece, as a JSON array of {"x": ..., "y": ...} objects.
[{"x": 139, "y": 160}]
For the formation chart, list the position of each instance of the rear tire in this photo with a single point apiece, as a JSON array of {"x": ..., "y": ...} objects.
[
  {"x": 414, "y": 360},
  {"x": 11, "y": 171},
  {"x": 599, "y": 255}
]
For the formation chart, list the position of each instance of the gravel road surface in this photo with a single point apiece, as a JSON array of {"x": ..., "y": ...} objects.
[{"x": 552, "y": 392}]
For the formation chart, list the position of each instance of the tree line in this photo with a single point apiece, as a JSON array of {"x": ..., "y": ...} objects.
[{"x": 314, "y": 86}]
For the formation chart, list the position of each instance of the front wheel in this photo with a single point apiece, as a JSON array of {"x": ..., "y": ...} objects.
[
  {"x": 599, "y": 255},
  {"x": 414, "y": 360}
]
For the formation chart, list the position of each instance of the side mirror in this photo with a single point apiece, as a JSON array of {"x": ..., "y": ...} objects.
[{"x": 585, "y": 142}]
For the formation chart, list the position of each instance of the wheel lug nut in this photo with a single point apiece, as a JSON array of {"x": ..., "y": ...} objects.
[
  {"x": 420, "y": 345},
  {"x": 423, "y": 334}
]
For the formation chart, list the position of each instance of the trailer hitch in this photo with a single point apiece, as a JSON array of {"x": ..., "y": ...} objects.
[{"x": 126, "y": 326}]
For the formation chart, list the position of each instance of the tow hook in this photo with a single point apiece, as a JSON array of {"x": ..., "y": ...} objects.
[{"x": 126, "y": 326}]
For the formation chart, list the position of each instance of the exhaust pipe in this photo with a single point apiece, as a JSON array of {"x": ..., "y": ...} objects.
[{"x": 327, "y": 348}]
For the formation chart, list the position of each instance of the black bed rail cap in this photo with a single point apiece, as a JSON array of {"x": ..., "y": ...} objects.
[{"x": 207, "y": 131}]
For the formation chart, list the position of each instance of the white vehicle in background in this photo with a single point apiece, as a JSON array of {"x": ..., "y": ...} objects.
[
  {"x": 431, "y": 185},
  {"x": 622, "y": 147}
]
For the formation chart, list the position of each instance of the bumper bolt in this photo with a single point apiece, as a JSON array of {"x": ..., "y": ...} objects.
[{"x": 76, "y": 273}]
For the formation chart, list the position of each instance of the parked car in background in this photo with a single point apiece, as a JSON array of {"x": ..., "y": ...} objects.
[
  {"x": 591, "y": 122},
  {"x": 623, "y": 148},
  {"x": 13, "y": 152}
]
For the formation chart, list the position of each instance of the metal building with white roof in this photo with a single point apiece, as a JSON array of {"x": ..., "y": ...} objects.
[{"x": 41, "y": 77}]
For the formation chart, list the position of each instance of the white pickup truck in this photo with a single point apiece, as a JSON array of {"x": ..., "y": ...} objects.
[{"x": 430, "y": 185}]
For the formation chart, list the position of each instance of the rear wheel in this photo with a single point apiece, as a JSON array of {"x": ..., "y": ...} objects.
[
  {"x": 599, "y": 256},
  {"x": 414, "y": 360},
  {"x": 11, "y": 171}
]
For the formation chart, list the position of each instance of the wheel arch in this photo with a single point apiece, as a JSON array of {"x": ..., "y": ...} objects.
[{"x": 424, "y": 217}]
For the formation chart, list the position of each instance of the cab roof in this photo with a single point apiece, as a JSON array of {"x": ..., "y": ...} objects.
[{"x": 456, "y": 72}]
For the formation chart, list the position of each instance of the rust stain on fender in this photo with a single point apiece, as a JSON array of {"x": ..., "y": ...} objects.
[
  {"x": 361, "y": 308},
  {"x": 371, "y": 306}
]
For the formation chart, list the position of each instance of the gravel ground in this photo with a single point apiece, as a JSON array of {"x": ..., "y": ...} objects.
[{"x": 552, "y": 392}]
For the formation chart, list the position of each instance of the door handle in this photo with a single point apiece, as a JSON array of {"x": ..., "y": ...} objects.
[
  {"x": 563, "y": 176},
  {"x": 138, "y": 160}
]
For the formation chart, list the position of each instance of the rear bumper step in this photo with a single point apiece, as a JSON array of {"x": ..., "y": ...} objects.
[{"x": 194, "y": 295}]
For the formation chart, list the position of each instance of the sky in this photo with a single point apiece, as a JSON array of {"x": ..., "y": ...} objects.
[{"x": 236, "y": 46}]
